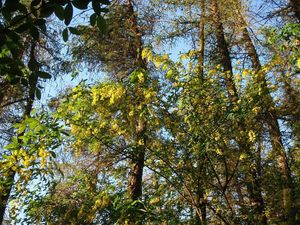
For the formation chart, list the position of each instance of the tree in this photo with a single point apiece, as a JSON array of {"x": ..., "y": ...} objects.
[{"x": 192, "y": 137}]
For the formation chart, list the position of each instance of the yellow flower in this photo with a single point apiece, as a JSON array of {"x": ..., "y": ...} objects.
[
  {"x": 219, "y": 151},
  {"x": 243, "y": 156},
  {"x": 131, "y": 113},
  {"x": 141, "y": 142},
  {"x": 115, "y": 126},
  {"x": 245, "y": 73},
  {"x": 153, "y": 201},
  {"x": 141, "y": 77},
  {"x": 95, "y": 96},
  {"x": 98, "y": 203},
  {"x": 19, "y": 188},
  {"x": 184, "y": 57},
  {"x": 256, "y": 109},
  {"x": 43, "y": 162},
  {"x": 26, "y": 163},
  {"x": 148, "y": 95},
  {"x": 217, "y": 136},
  {"x": 251, "y": 136}
]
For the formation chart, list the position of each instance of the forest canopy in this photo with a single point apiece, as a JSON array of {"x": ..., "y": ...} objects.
[{"x": 169, "y": 112}]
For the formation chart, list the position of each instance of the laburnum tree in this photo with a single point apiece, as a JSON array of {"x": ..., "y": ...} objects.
[{"x": 208, "y": 134}]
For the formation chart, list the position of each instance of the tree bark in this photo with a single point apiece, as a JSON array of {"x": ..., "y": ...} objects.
[
  {"x": 136, "y": 173},
  {"x": 254, "y": 187},
  {"x": 291, "y": 108},
  {"x": 28, "y": 108},
  {"x": 201, "y": 203},
  {"x": 224, "y": 52},
  {"x": 274, "y": 130},
  {"x": 295, "y": 5},
  {"x": 201, "y": 39}
]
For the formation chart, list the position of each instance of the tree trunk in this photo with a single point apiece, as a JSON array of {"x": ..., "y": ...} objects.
[
  {"x": 136, "y": 173},
  {"x": 201, "y": 40},
  {"x": 291, "y": 108},
  {"x": 201, "y": 204},
  {"x": 283, "y": 165},
  {"x": 28, "y": 108},
  {"x": 224, "y": 52},
  {"x": 254, "y": 188},
  {"x": 274, "y": 130},
  {"x": 295, "y": 5}
]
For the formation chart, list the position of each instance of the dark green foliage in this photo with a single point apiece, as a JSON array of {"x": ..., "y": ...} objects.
[
  {"x": 19, "y": 19},
  {"x": 111, "y": 47}
]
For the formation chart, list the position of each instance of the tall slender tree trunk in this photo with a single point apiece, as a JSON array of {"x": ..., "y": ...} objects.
[
  {"x": 291, "y": 108},
  {"x": 200, "y": 191},
  {"x": 137, "y": 161},
  {"x": 254, "y": 188},
  {"x": 283, "y": 165},
  {"x": 201, "y": 38},
  {"x": 138, "y": 158},
  {"x": 274, "y": 129},
  {"x": 4, "y": 197},
  {"x": 200, "y": 200},
  {"x": 224, "y": 52}
]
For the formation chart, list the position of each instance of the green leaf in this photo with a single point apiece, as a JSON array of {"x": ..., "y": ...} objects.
[
  {"x": 43, "y": 75},
  {"x": 96, "y": 6},
  {"x": 21, "y": 128},
  {"x": 53, "y": 154},
  {"x": 81, "y": 4},
  {"x": 40, "y": 22},
  {"x": 68, "y": 14},
  {"x": 13, "y": 145},
  {"x": 47, "y": 10},
  {"x": 38, "y": 93},
  {"x": 6, "y": 14},
  {"x": 133, "y": 77},
  {"x": 74, "y": 30},
  {"x": 33, "y": 64},
  {"x": 34, "y": 31},
  {"x": 93, "y": 19},
  {"x": 65, "y": 132},
  {"x": 32, "y": 122},
  {"x": 65, "y": 34},
  {"x": 101, "y": 23},
  {"x": 11, "y": 5},
  {"x": 59, "y": 12},
  {"x": 32, "y": 81}
]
